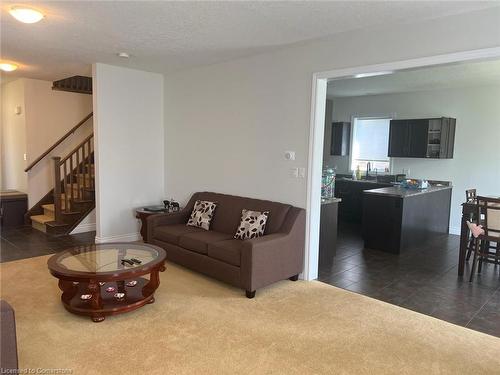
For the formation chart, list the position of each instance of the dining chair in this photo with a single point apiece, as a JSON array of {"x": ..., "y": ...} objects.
[
  {"x": 488, "y": 209},
  {"x": 470, "y": 197}
]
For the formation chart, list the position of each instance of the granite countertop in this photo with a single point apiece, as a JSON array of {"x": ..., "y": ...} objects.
[
  {"x": 330, "y": 200},
  {"x": 363, "y": 181},
  {"x": 398, "y": 191}
]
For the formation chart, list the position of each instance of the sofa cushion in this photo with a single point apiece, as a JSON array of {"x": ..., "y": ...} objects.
[
  {"x": 172, "y": 233},
  {"x": 199, "y": 241},
  {"x": 228, "y": 214},
  {"x": 202, "y": 214},
  {"x": 228, "y": 251},
  {"x": 252, "y": 224}
]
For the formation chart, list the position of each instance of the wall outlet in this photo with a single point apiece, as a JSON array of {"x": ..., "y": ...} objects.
[{"x": 289, "y": 155}]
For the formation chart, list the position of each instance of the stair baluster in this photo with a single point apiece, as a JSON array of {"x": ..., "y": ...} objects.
[
  {"x": 57, "y": 188},
  {"x": 79, "y": 191}
]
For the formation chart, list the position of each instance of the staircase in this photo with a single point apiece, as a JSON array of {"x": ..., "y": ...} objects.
[
  {"x": 73, "y": 195},
  {"x": 79, "y": 84}
]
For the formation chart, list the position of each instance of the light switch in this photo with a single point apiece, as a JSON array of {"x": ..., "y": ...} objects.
[
  {"x": 294, "y": 172},
  {"x": 302, "y": 172},
  {"x": 17, "y": 110},
  {"x": 24, "y": 157},
  {"x": 289, "y": 155}
]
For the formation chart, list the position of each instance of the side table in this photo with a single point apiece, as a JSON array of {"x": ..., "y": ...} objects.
[{"x": 142, "y": 215}]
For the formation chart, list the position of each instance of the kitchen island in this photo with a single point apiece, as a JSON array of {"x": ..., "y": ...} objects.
[{"x": 396, "y": 218}]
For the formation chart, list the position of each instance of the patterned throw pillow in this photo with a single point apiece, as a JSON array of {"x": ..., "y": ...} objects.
[
  {"x": 252, "y": 225},
  {"x": 202, "y": 214}
]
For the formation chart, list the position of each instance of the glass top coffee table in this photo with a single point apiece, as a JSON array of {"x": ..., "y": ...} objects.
[{"x": 105, "y": 279}]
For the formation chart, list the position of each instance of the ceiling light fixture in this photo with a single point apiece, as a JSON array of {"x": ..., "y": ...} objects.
[
  {"x": 123, "y": 55},
  {"x": 373, "y": 74},
  {"x": 8, "y": 67},
  {"x": 26, "y": 15}
]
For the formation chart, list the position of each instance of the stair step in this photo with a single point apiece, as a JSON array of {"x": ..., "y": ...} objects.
[
  {"x": 48, "y": 209},
  {"x": 38, "y": 222},
  {"x": 42, "y": 219},
  {"x": 81, "y": 178}
]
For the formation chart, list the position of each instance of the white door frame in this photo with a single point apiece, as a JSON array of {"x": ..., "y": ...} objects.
[{"x": 316, "y": 134}]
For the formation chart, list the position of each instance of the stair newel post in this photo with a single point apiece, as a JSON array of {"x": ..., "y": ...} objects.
[{"x": 57, "y": 188}]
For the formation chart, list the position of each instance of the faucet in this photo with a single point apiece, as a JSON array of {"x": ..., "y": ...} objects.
[{"x": 368, "y": 169}]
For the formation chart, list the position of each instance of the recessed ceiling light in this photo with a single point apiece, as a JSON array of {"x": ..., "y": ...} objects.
[
  {"x": 8, "y": 67},
  {"x": 26, "y": 15},
  {"x": 123, "y": 55},
  {"x": 373, "y": 74}
]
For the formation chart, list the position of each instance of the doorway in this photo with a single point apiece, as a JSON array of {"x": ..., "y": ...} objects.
[{"x": 371, "y": 271}]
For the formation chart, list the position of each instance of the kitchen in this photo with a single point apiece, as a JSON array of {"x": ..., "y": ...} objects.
[{"x": 400, "y": 149}]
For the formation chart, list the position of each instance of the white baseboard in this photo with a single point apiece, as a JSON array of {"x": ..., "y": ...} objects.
[
  {"x": 129, "y": 237},
  {"x": 82, "y": 228}
]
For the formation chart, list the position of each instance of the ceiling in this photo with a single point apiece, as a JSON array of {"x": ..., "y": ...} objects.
[
  {"x": 168, "y": 36},
  {"x": 440, "y": 77}
]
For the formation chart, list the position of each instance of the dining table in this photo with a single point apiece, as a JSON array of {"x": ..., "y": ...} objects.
[{"x": 468, "y": 209}]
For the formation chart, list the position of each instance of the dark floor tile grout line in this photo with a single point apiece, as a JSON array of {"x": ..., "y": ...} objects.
[{"x": 480, "y": 309}]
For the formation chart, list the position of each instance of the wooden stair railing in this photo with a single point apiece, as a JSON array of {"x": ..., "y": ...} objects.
[
  {"x": 79, "y": 162},
  {"x": 58, "y": 142}
]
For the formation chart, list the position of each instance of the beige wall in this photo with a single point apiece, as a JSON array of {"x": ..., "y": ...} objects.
[
  {"x": 228, "y": 125},
  {"x": 46, "y": 116},
  {"x": 129, "y": 141},
  {"x": 13, "y": 143},
  {"x": 49, "y": 115}
]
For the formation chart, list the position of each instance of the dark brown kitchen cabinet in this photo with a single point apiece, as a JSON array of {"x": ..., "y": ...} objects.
[
  {"x": 341, "y": 138},
  {"x": 432, "y": 138},
  {"x": 351, "y": 193}
]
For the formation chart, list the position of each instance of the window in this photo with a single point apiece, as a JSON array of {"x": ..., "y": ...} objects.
[{"x": 370, "y": 142}]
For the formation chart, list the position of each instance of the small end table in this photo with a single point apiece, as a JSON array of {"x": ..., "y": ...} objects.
[{"x": 142, "y": 214}]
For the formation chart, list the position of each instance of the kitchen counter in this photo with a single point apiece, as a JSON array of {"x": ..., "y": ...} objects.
[
  {"x": 396, "y": 219},
  {"x": 398, "y": 191},
  {"x": 328, "y": 229},
  {"x": 330, "y": 200}
]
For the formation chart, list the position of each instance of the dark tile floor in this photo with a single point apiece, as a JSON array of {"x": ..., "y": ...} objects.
[
  {"x": 26, "y": 242},
  {"x": 423, "y": 279}
]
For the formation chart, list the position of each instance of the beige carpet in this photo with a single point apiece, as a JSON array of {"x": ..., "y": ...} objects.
[{"x": 201, "y": 326}]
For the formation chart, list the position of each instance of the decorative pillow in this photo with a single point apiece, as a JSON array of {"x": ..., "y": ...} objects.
[
  {"x": 202, "y": 214},
  {"x": 252, "y": 224}
]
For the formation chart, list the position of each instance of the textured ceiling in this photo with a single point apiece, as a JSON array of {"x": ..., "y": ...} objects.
[
  {"x": 168, "y": 36},
  {"x": 441, "y": 77}
]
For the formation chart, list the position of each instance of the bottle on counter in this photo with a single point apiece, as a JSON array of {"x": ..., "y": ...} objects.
[{"x": 358, "y": 173}]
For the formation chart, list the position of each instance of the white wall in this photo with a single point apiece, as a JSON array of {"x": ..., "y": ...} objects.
[
  {"x": 13, "y": 143},
  {"x": 476, "y": 161},
  {"x": 129, "y": 144},
  {"x": 227, "y": 125}
]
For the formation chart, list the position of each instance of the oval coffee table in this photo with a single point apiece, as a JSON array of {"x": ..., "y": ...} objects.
[{"x": 95, "y": 282}]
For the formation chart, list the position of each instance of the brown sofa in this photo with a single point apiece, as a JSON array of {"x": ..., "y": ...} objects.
[{"x": 247, "y": 264}]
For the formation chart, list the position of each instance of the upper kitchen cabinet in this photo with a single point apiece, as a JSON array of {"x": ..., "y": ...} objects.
[
  {"x": 341, "y": 138},
  {"x": 431, "y": 138}
]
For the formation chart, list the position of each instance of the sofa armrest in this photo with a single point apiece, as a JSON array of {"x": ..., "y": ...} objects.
[
  {"x": 274, "y": 257},
  {"x": 170, "y": 218},
  {"x": 8, "y": 354}
]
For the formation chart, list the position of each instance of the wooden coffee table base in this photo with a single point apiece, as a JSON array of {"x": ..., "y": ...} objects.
[{"x": 104, "y": 303}]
